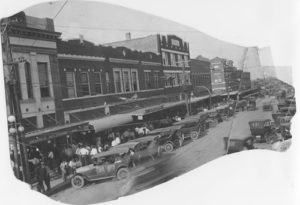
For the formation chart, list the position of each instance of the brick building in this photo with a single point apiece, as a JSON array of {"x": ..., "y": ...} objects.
[
  {"x": 93, "y": 77},
  {"x": 174, "y": 54},
  {"x": 201, "y": 74},
  {"x": 32, "y": 43},
  {"x": 218, "y": 84}
]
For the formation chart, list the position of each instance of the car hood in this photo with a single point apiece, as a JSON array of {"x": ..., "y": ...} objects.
[{"x": 84, "y": 169}]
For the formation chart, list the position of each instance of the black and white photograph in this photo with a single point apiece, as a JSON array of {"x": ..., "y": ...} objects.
[{"x": 104, "y": 101}]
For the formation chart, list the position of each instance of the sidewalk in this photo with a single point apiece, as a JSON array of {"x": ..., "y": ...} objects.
[{"x": 56, "y": 185}]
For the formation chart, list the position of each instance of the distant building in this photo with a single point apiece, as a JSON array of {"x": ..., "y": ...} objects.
[
  {"x": 201, "y": 73},
  {"x": 218, "y": 84},
  {"x": 174, "y": 54}
]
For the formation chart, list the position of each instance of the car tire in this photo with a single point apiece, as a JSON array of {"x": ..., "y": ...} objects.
[
  {"x": 194, "y": 135},
  {"x": 77, "y": 181},
  {"x": 169, "y": 147},
  {"x": 122, "y": 173}
]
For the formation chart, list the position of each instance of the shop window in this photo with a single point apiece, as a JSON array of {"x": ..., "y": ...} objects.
[
  {"x": 70, "y": 80},
  {"x": 44, "y": 80}
]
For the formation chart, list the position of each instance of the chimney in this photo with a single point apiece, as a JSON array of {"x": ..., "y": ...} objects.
[
  {"x": 81, "y": 39},
  {"x": 128, "y": 36}
]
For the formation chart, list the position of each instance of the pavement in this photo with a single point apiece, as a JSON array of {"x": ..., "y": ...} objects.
[{"x": 186, "y": 158}]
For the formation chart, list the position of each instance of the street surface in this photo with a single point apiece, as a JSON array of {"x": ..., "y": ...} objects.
[{"x": 182, "y": 160}]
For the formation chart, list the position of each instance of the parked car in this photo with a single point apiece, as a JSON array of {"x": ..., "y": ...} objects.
[
  {"x": 109, "y": 164},
  {"x": 237, "y": 145},
  {"x": 144, "y": 147},
  {"x": 191, "y": 127},
  {"x": 267, "y": 107},
  {"x": 263, "y": 131},
  {"x": 170, "y": 137}
]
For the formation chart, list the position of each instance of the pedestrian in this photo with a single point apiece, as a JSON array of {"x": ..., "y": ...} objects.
[
  {"x": 63, "y": 168},
  {"x": 42, "y": 175},
  {"x": 84, "y": 152},
  {"x": 93, "y": 150}
]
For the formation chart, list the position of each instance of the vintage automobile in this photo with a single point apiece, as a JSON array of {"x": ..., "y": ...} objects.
[
  {"x": 191, "y": 127},
  {"x": 251, "y": 104},
  {"x": 144, "y": 147},
  {"x": 264, "y": 131},
  {"x": 237, "y": 145},
  {"x": 267, "y": 107},
  {"x": 170, "y": 137},
  {"x": 241, "y": 106},
  {"x": 109, "y": 164}
]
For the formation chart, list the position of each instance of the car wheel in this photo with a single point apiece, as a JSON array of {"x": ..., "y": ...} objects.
[
  {"x": 77, "y": 181},
  {"x": 122, "y": 173},
  {"x": 169, "y": 147},
  {"x": 194, "y": 136}
]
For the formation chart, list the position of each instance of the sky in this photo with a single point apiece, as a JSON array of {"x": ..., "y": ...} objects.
[{"x": 267, "y": 23}]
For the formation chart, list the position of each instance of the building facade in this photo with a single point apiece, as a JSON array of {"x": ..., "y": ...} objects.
[
  {"x": 201, "y": 74},
  {"x": 174, "y": 53},
  {"x": 94, "y": 78},
  {"x": 33, "y": 49},
  {"x": 218, "y": 84}
]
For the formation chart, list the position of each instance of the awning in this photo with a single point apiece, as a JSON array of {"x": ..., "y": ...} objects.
[{"x": 110, "y": 122}]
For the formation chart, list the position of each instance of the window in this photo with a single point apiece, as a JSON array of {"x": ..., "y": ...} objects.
[
  {"x": 107, "y": 79},
  {"x": 147, "y": 80},
  {"x": 117, "y": 81},
  {"x": 98, "y": 83},
  {"x": 186, "y": 61},
  {"x": 84, "y": 84},
  {"x": 49, "y": 120},
  {"x": 180, "y": 61},
  {"x": 134, "y": 80},
  {"x": 165, "y": 58},
  {"x": 70, "y": 79},
  {"x": 173, "y": 59},
  {"x": 43, "y": 78},
  {"x": 178, "y": 79},
  {"x": 126, "y": 80},
  {"x": 156, "y": 79},
  {"x": 28, "y": 80}
]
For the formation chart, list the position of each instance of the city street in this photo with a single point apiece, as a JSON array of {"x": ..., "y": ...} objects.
[{"x": 182, "y": 160}]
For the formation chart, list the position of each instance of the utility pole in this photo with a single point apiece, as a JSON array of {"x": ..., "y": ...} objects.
[{"x": 14, "y": 104}]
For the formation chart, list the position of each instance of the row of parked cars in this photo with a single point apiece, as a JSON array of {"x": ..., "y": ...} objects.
[{"x": 118, "y": 160}]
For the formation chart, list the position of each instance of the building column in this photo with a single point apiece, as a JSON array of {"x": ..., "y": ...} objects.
[
  {"x": 23, "y": 84},
  {"x": 36, "y": 89}
]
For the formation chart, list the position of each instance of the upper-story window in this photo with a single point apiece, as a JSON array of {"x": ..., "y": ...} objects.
[
  {"x": 134, "y": 80},
  {"x": 165, "y": 58},
  {"x": 84, "y": 84},
  {"x": 118, "y": 81},
  {"x": 173, "y": 59},
  {"x": 98, "y": 83},
  {"x": 108, "y": 83},
  {"x": 156, "y": 79},
  {"x": 44, "y": 80},
  {"x": 70, "y": 81},
  {"x": 28, "y": 80},
  {"x": 147, "y": 79},
  {"x": 126, "y": 80},
  {"x": 186, "y": 60}
]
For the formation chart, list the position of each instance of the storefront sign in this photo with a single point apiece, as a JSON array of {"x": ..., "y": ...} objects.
[{"x": 175, "y": 42}]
